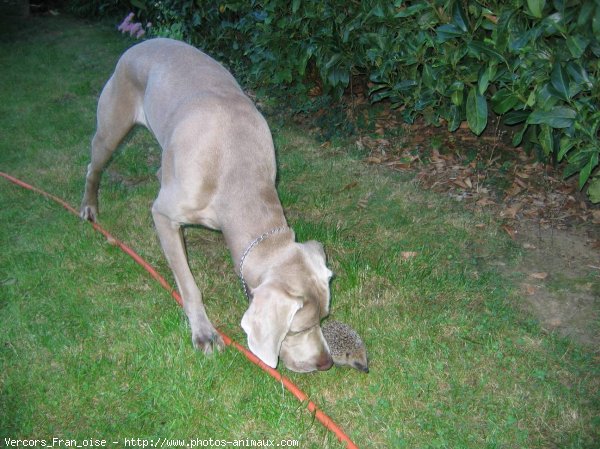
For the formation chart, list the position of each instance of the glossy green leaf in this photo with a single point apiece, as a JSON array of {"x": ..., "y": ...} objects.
[
  {"x": 456, "y": 97},
  {"x": 525, "y": 39},
  {"x": 425, "y": 100},
  {"x": 577, "y": 45},
  {"x": 566, "y": 144},
  {"x": 381, "y": 95},
  {"x": 303, "y": 62},
  {"x": 282, "y": 76},
  {"x": 554, "y": 23},
  {"x": 455, "y": 118},
  {"x": 557, "y": 117},
  {"x": 335, "y": 58},
  {"x": 459, "y": 18},
  {"x": 574, "y": 89},
  {"x": 477, "y": 112},
  {"x": 560, "y": 81},
  {"x": 405, "y": 85},
  {"x": 481, "y": 50},
  {"x": 530, "y": 103},
  {"x": 586, "y": 171},
  {"x": 338, "y": 76},
  {"x": 139, "y": 4},
  {"x": 518, "y": 136},
  {"x": 502, "y": 28},
  {"x": 412, "y": 10},
  {"x": 579, "y": 74},
  {"x": 545, "y": 98},
  {"x": 503, "y": 101},
  {"x": 585, "y": 13},
  {"x": 448, "y": 31},
  {"x": 428, "y": 76},
  {"x": 536, "y": 7},
  {"x": 577, "y": 161},
  {"x": 594, "y": 190},
  {"x": 378, "y": 11},
  {"x": 456, "y": 91},
  {"x": 486, "y": 75},
  {"x": 514, "y": 117},
  {"x": 545, "y": 139}
]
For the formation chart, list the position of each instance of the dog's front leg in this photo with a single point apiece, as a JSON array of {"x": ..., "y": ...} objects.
[{"x": 204, "y": 335}]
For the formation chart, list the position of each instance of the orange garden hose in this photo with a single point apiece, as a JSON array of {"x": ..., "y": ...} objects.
[{"x": 291, "y": 387}]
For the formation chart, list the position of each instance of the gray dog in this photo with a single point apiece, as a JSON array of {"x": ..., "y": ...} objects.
[{"x": 218, "y": 170}]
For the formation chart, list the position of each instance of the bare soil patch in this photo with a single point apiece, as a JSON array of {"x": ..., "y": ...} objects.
[
  {"x": 555, "y": 224},
  {"x": 559, "y": 278}
]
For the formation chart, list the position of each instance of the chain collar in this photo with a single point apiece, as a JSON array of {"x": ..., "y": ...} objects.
[{"x": 250, "y": 247}]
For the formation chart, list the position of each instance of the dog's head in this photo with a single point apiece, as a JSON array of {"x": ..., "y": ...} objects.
[{"x": 284, "y": 317}]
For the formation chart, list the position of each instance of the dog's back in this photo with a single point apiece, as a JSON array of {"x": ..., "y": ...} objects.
[
  {"x": 176, "y": 78},
  {"x": 176, "y": 66}
]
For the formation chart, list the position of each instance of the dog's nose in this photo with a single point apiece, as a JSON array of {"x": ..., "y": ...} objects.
[{"x": 325, "y": 362}]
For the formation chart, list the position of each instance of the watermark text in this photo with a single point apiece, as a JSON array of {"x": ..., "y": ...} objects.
[{"x": 188, "y": 443}]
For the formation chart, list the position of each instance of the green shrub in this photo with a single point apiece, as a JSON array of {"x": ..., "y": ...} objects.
[
  {"x": 535, "y": 63},
  {"x": 94, "y": 8}
]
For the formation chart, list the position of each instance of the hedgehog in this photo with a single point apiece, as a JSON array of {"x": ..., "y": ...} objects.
[{"x": 345, "y": 346}]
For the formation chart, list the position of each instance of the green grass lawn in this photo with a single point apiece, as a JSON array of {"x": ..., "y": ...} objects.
[{"x": 91, "y": 347}]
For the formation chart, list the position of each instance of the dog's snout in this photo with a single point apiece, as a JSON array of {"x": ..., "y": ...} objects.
[{"x": 325, "y": 362}]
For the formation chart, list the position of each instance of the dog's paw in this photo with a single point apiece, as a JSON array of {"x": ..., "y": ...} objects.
[
  {"x": 88, "y": 213},
  {"x": 208, "y": 342}
]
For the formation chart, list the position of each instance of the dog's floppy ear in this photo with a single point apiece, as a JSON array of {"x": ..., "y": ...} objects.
[{"x": 268, "y": 320}]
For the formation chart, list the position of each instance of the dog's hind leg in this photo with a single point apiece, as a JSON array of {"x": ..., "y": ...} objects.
[
  {"x": 204, "y": 335},
  {"x": 115, "y": 118}
]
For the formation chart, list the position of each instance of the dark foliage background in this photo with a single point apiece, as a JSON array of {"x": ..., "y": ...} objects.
[{"x": 533, "y": 62}]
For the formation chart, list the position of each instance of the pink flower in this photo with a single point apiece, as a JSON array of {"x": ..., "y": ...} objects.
[
  {"x": 126, "y": 22},
  {"x": 134, "y": 29}
]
